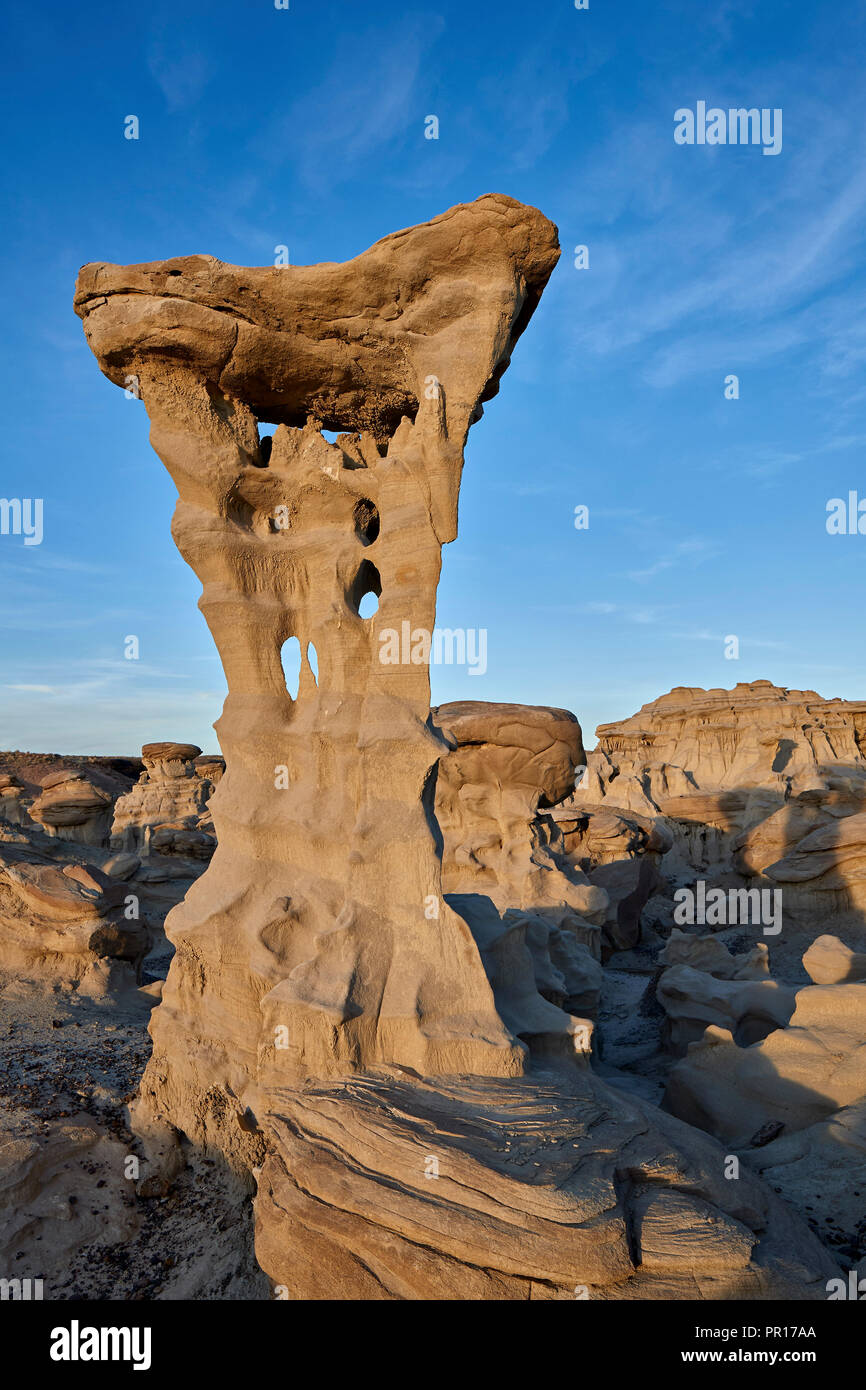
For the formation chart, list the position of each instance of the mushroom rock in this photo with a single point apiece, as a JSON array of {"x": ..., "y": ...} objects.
[
  {"x": 328, "y": 1022},
  {"x": 12, "y": 808},
  {"x": 508, "y": 766},
  {"x": 166, "y": 811},
  {"x": 72, "y": 806},
  {"x": 504, "y": 868}
]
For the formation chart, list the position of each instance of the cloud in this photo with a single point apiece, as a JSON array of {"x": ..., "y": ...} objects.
[
  {"x": 722, "y": 263},
  {"x": 181, "y": 72},
  {"x": 696, "y": 549},
  {"x": 365, "y": 103}
]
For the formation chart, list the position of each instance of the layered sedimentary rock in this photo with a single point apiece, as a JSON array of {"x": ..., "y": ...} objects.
[
  {"x": 166, "y": 811},
  {"x": 12, "y": 806},
  {"x": 734, "y": 739},
  {"x": 758, "y": 785},
  {"x": 73, "y": 806},
  {"x": 794, "y": 1105},
  {"x": 532, "y": 911},
  {"x": 621, "y": 854},
  {"x": 799, "y": 1074},
  {"x": 66, "y": 922},
  {"x": 330, "y": 1020}
]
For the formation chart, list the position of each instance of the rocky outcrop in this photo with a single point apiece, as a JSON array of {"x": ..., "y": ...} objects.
[
  {"x": 67, "y": 922},
  {"x": 532, "y": 911},
  {"x": 621, "y": 854},
  {"x": 829, "y": 961},
  {"x": 12, "y": 806},
  {"x": 703, "y": 984},
  {"x": 482, "y": 1188},
  {"x": 73, "y": 806},
  {"x": 330, "y": 1019},
  {"x": 794, "y": 1105},
  {"x": 798, "y": 1075},
  {"x": 166, "y": 811},
  {"x": 756, "y": 735},
  {"x": 758, "y": 786}
]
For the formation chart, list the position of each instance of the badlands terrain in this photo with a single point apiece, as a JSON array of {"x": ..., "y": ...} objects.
[
  {"x": 401, "y": 1003},
  {"x": 688, "y": 1046}
]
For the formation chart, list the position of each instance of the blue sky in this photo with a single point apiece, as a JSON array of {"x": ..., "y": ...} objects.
[{"x": 305, "y": 127}]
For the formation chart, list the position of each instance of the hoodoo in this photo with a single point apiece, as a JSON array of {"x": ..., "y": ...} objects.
[{"x": 318, "y": 1026}]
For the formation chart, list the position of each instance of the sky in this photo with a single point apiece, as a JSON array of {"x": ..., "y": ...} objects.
[{"x": 305, "y": 127}]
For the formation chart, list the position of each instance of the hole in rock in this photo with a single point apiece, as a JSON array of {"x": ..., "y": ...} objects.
[
  {"x": 266, "y": 443},
  {"x": 330, "y": 435},
  {"x": 291, "y": 659},
  {"x": 363, "y": 597},
  {"x": 366, "y": 517},
  {"x": 313, "y": 661},
  {"x": 223, "y": 405}
]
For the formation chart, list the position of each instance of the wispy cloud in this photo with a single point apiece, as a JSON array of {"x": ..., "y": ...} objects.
[
  {"x": 692, "y": 551},
  {"x": 181, "y": 70}
]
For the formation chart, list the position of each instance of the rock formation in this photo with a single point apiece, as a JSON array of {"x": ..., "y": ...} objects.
[
  {"x": 66, "y": 923},
  {"x": 166, "y": 811},
  {"x": 758, "y": 786},
  {"x": 504, "y": 865},
  {"x": 418, "y": 1111},
  {"x": 12, "y": 807},
  {"x": 756, "y": 735},
  {"x": 73, "y": 806},
  {"x": 803, "y": 1088}
]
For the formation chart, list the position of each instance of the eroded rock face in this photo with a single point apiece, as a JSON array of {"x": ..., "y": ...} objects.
[
  {"x": 321, "y": 1024},
  {"x": 12, "y": 806},
  {"x": 799, "y": 1074},
  {"x": 533, "y": 913},
  {"x": 495, "y": 1189},
  {"x": 794, "y": 1104},
  {"x": 67, "y": 923},
  {"x": 326, "y": 854},
  {"x": 755, "y": 735},
  {"x": 166, "y": 811},
  {"x": 758, "y": 785},
  {"x": 73, "y": 806}
]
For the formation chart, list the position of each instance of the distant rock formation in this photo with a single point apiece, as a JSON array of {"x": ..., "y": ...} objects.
[
  {"x": 12, "y": 806},
  {"x": 758, "y": 785},
  {"x": 330, "y": 1022},
  {"x": 756, "y": 735},
  {"x": 73, "y": 806},
  {"x": 166, "y": 812}
]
